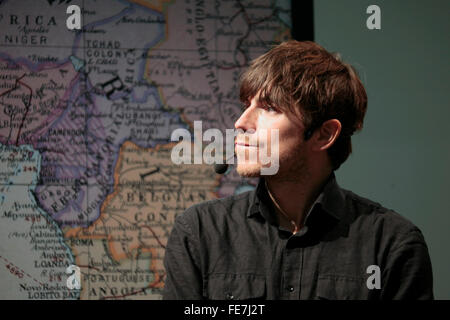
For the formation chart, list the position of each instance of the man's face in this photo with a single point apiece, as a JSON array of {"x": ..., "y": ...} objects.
[{"x": 259, "y": 119}]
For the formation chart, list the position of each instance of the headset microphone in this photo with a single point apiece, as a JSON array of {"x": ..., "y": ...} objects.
[{"x": 220, "y": 168}]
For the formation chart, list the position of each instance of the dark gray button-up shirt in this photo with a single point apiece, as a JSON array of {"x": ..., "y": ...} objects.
[{"x": 350, "y": 248}]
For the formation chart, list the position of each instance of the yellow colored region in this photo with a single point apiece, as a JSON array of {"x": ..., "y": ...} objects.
[
  {"x": 137, "y": 217},
  {"x": 158, "y": 5}
]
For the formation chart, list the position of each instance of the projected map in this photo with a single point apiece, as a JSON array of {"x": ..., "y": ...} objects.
[{"x": 86, "y": 117}]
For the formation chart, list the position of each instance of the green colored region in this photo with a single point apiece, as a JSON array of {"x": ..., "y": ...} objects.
[{"x": 284, "y": 12}]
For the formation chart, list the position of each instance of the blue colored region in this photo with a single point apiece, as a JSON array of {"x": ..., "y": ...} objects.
[
  {"x": 243, "y": 188},
  {"x": 33, "y": 156},
  {"x": 78, "y": 64}
]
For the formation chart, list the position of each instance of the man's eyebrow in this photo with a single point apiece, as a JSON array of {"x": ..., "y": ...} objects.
[
  {"x": 258, "y": 100},
  {"x": 265, "y": 101}
]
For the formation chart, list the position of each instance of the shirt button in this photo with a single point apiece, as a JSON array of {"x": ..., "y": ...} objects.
[
  {"x": 290, "y": 289},
  {"x": 230, "y": 296}
]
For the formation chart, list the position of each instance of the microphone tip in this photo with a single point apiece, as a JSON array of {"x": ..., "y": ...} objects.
[{"x": 220, "y": 168}]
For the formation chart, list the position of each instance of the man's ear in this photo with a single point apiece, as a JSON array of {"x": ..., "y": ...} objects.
[{"x": 327, "y": 134}]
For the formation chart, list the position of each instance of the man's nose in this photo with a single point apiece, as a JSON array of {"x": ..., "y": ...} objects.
[{"x": 247, "y": 120}]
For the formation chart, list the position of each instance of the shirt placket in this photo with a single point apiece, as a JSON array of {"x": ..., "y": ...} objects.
[{"x": 292, "y": 267}]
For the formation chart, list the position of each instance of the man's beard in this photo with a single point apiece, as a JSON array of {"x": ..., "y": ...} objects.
[
  {"x": 249, "y": 170},
  {"x": 292, "y": 167},
  {"x": 245, "y": 167}
]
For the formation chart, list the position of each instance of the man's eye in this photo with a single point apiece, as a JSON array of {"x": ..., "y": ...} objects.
[{"x": 269, "y": 108}]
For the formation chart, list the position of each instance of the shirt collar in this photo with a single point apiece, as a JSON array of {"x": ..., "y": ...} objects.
[{"x": 331, "y": 200}]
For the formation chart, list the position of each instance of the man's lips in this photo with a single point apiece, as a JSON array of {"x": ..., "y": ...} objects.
[{"x": 243, "y": 144}]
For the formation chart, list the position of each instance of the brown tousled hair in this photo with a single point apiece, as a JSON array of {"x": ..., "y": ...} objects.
[{"x": 305, "y": 80}]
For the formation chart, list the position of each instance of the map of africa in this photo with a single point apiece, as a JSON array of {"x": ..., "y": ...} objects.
[{"x": 86, "y": 118}]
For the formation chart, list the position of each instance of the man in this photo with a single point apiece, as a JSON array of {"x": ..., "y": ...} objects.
[{"x": 298, "y": 235}]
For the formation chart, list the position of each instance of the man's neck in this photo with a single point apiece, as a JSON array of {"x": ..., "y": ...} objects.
[{"x": 295, "y": 197}]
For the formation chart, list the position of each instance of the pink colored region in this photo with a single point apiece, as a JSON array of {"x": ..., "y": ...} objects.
[{"x": 24, "y": 118}]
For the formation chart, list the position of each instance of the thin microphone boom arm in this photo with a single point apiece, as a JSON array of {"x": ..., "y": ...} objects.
[{"x": 221, "y": 168}]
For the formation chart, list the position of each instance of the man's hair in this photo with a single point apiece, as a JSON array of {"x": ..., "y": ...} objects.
[{"x": 305, "y": 80}]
